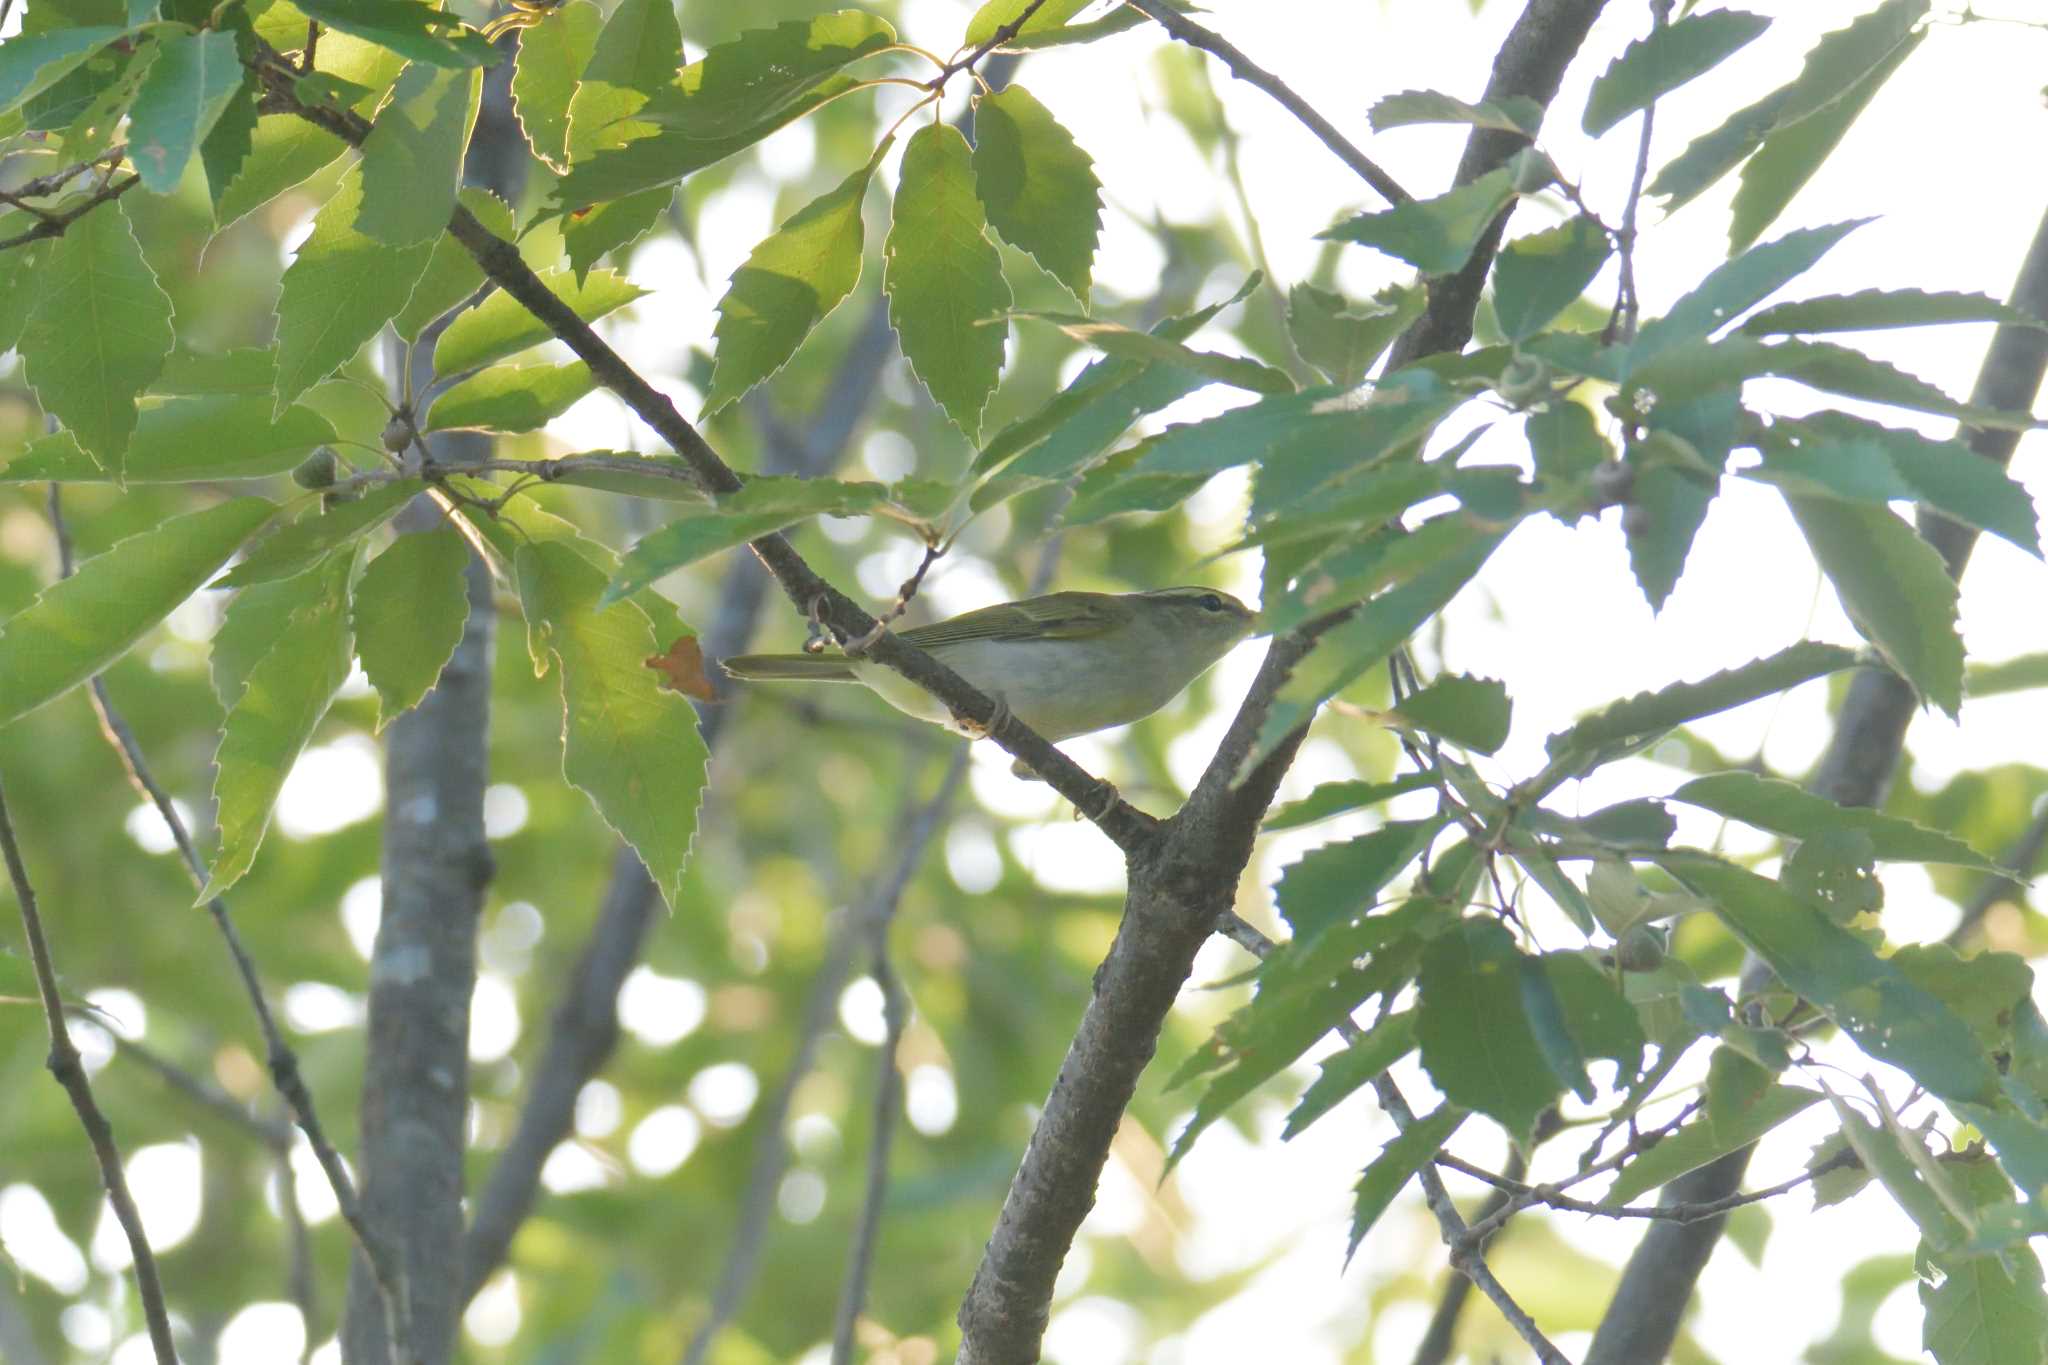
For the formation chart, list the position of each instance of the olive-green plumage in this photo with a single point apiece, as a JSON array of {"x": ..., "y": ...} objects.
[{"x": 1065, "y": 664}]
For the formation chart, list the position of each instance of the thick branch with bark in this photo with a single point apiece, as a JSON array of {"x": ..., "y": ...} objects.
[{"x": 1181, "y": 883}]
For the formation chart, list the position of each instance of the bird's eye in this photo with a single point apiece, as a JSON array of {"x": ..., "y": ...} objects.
[{"x": 1210, "y": 602}]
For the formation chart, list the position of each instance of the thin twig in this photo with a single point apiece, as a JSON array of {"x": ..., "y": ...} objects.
[
  {"x": 282, "y": 1060},
  {"x": 996, "y": 40},
  {"x": 1435, "y": 1347},
  {"x": 1251, "y": 73},
  {"x": 2019, "y": 862},
  {"x": 53, "y": 224},
  {"x": 1621, "y": 323},
  {"x": 1467, "y": 1245},
  {"x": 888, "y": 1101},
  {"x": 771, "y": 1155},
  {"x": 69, "y": 1070},
  {"x": 1522, "y": 1195}
]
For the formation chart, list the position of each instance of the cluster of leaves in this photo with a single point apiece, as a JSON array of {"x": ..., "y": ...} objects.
[{"x": 1338, "y": 471}]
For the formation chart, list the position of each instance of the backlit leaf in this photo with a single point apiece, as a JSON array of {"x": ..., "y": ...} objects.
[
  {"x": 187, "y": 89},
  {"x": 511, "y": 398},
  {"x": 185, "y": 440},
  {"x": 501, "y": 326},
  {"x": 412, "y": 159},
  {"x": 408, "y": 612},
  {"x": 944, "y": 278},
  {"x": 1038, "y": 186},
  {"x": 1895, "y": 589}
]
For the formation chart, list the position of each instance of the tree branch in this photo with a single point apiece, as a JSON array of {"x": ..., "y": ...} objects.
[
  {"x": 1182, "y": 882},
  {"x": 281, "y": 1060},
  {"x": 1251, "y": 73},
  {"x": 69, "y": 1071}
]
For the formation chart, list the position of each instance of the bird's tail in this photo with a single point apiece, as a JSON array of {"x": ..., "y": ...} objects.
[{"x": 789, "y": 668}]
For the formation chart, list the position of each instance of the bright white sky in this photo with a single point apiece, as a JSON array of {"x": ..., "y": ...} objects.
[{"x": 1938, "y": 156}]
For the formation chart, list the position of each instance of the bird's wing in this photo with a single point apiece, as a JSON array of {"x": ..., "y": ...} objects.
[{"x": 1056, "y": 616}]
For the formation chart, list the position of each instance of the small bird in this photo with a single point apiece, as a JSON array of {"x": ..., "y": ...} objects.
[{"x": 1065, "y": 664}]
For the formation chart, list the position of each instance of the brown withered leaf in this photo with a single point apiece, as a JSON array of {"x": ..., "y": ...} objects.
[{"x": 682, "y": 669}]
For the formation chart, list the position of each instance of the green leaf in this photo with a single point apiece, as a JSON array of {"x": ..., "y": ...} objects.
[
  {"x": 1835, "y": 65},
  {"x": 1343, "y": 338},
  {"x": 1341, "y": 798},
  {"x": 1475, "y": 1035},
  {"x": 1790, "y": 156},
  {"x": 1878, "y": 309},
  {"x": 1037, "y": 185},
  {"x": 412, "y": 160},
  {"x": 589, "y": 236},
  {"x": 788, "y": 71},
  {"x": 1895, "y": 588},
  {"x": 796, "y": 276},
  {"x": 408, "y": 612},
  {"x": 1838, "y": 369},
  {"x": 1835, "y": 871},
  {"x": 627, "y": 743},
  {"x": 1707, "y": 1138},
  {"x": 1835, "y": 455},
  {"x": 1785, "y": 808},
  {"x": 1369, "y": 636},
  {"x": 1516, "y": 114},
  {"x": 20, "y": 279},
  {"x": 995, "y": 15},
  {"x": 186, "y": 440},
  {"x": 501, "y": 326},
  {"x": 31, "y": 63},
  {"x": 1988, "y": 990},
  {"x": 187, "y": 89},
  {"x": 287, "y": 692},
  {"x": 1467, "y": 711},
  {"x": 551, "y": 60},
  {"x": 1888, "y": 1152},
  {"x": 284, "y": 152},
  {"x": 452, "y": 274},
  {"x": 1344, "y": 1072},
  {"x": 99, "y": 333},
  {"x": 1647, "y": 715},
  {"x": 1736, "y": 286},
  {"x": 634, "y": 58},
  {"x": 1312, "y": 437},
  {"x": 225, "y": 150},
  {"x": 1565, "y": 443},
  {"x": 1340, "y": 880},
  {"x": 764, "y": 506},
  {"x": 1652, "y": 67},
  {"x": 1082, "y": 420},
  {"x": 293, "y": 549},
  {"x": 1350, "y": 571},
  {"x": 1984, "y": 1309},
  {"x": 255, "y": 620},
  {"x": 1871, "y": 1000},
  {"x": 764, "y": 73},
  {"x": 1112, "y": 489},
  {"x": 511, "y": 398},
  {"x": 1674, "y": 498},
  {"x": 246, "y": 371},
  {"x": 1396, "y": 1164},
  {"x": 1436, "y": 236},
  {"x": 944, "y": 278},
  {"x": 1599, "y": 1018},
  {"x": 408, "y": 27},
  {"x": 1539, "y": 276},
  {"x": 339, "y": 290},
  {"x": 1115, "y": 339},
  {"x": 2020, "y": 674},
  {"x": 83, "y": 623}
]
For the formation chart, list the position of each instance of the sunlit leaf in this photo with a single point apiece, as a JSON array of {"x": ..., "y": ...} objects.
[
  {"x": 83, "y": 623},
  {"x": 412, "y": 159},
  {"x": 408, "y": 612},
  {"x": 796, "y": 276},
  {"x": 947, "y": 296},
  {"x": 294, "y": 548},
  {"x": 501, "y": 326},
  {"x": 285, "y": 695},
  {"x": 187, "y": 89},
  {"x": 551, "y": 60},
  {"x": 186, "y": 440},
  {"x": 408, "y": 27},
  {"x": 627, "y": 743},
  {"x": 99, "y": 333},
  {"x": 1038, "y": 186},
  {"x": 511, "y": 398}
]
